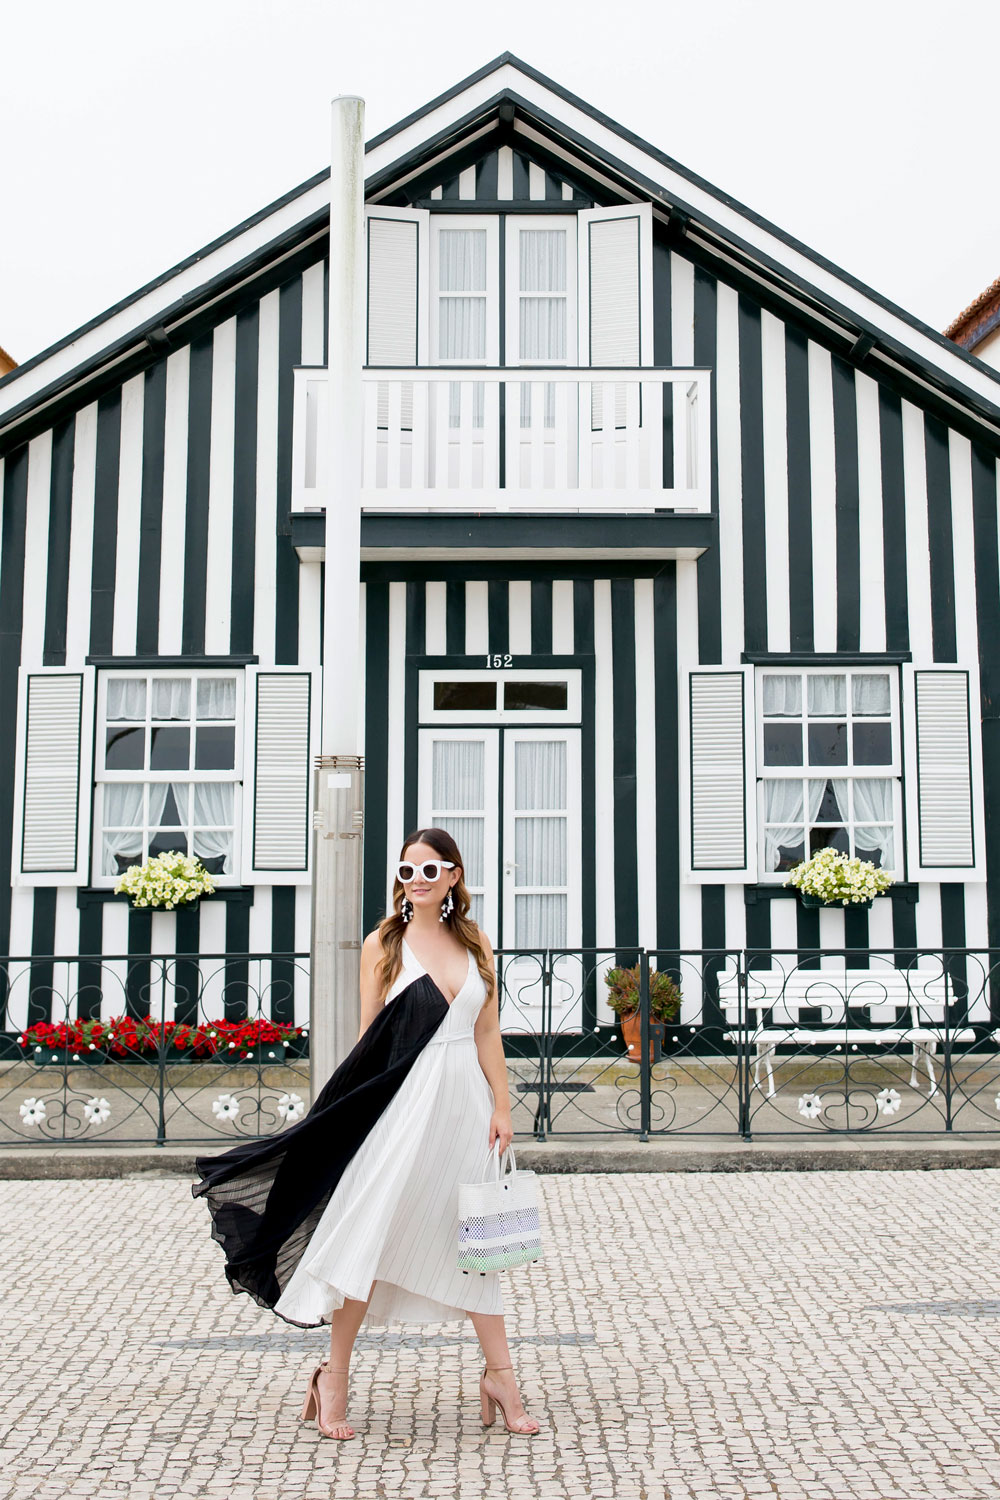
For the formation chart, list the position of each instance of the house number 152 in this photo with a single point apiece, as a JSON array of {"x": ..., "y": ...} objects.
[{"x": 500, "y": 660}]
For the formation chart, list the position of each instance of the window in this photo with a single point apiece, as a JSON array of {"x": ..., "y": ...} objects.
[
  {"x": 828, "y": 762},
  {"x": 541, "y": 304},
  {"x": 515, "y": 695},
  {"x": 464, "y": 329},
  {"x": 167, "y": 769}
]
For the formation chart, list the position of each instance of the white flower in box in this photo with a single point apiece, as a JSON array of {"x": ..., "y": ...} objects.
[{"x": 166, "y": 881}]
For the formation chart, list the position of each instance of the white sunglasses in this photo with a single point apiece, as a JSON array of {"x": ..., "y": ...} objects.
[{"x": 429, "y": 870}]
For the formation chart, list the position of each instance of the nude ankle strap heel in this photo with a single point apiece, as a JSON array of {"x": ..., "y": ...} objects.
[
  {"x": 488, "y": 1405},
  {"x": 311, "y": 1407}
]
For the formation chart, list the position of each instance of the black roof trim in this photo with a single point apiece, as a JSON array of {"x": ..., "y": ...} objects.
[
  {"x": 165, "y": 276},
  {"x": 130, "y": 355}
]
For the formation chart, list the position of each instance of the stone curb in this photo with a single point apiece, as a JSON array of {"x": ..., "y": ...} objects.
[{"x": 829, "y": 1155}]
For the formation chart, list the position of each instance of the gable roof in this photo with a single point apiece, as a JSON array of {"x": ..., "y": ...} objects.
[{"x": 722, "y": 233}]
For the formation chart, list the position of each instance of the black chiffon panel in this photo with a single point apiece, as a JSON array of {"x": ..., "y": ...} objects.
[{"x": 266, "y": 1197}]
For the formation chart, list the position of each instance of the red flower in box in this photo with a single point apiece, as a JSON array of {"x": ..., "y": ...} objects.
[{"x": 131, "y": 1036}]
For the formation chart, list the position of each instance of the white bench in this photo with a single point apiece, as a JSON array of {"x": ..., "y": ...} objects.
[{"x": 883, "y": 993}]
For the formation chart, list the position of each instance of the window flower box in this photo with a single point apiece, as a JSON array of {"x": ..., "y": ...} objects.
[
  {"x": 166, "y": 882},
  {"x": 76, "y": 1043},
  {"x": 831, "y": 878},
  {"x": 137, "y": 1039},
  {"x": 67, "y": 1057}
]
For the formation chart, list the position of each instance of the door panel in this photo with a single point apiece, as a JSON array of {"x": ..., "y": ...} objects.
[
  {"x": 541, "y": 870},
  {"x": 457, "y": 792}
]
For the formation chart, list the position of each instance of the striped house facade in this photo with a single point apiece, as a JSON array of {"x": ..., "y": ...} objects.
[{"x": 836, "y": 590}]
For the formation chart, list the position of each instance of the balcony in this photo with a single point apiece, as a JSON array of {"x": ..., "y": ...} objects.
[{"x": 496, "y": 440}]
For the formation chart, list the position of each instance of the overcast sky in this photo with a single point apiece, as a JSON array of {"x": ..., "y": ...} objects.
[{"x": 135, "y": 131}]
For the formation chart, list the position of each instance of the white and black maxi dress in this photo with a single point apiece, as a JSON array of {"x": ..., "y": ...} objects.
[{"x": 365, "y": 1187}]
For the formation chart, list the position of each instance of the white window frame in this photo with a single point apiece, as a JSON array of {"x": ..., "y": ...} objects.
[
  {"x": 490, "y": 223},
  {"x": 428, "y": 714},
  {"x": 103, "y": 777},
  {"x": 513, "y": 293},
  {"x": 893, "y": 771}
]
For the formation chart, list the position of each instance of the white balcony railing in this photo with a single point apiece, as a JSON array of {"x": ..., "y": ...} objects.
[{"x": 517, "y": 439}]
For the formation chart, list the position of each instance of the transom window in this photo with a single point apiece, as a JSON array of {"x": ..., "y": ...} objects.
[
  {"x": 828, "y": 752},
  {"x": 167, "y": 768},
  {"x": 528, "y": 695}
]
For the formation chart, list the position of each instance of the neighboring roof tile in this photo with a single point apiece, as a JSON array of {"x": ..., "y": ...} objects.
[{"x": 968, "y": 323}]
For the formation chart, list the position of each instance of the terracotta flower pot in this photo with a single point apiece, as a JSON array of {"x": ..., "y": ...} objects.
[{"x": 632, "y": 1033}]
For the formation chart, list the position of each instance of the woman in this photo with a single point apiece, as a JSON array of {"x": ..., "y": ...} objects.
[{"x": 352, "y": 1214}]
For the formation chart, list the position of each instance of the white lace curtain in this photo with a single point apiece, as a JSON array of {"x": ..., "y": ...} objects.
[
  {"x": 782, "y": 696},
  {"x": 784, "y": 807},
  {"x": 540, "y": 921},
  {"x": 123, "y": 806},
  {"x": 542, "y": 321},
  {"x": 126, "y": 698},
  {"x": 540, "y": 775},
  {"x": 827, "y": 694},
  {"x": 216, "y": 698},
  {"x": 458, "y": 776},
  {"x": 213, "y": 804},
  {"x": 171, "y": 698},
  {"x": 462, "y": 319},
  {"x": 540, "y": 853},
  {"x": 124, "y": 826}
]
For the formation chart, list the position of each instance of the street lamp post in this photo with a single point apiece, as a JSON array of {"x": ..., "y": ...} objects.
[{"x": 334, "y": 1001}]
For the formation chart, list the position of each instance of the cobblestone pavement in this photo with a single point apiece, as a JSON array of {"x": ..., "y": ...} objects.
[{"x": 811, "y": 1336}]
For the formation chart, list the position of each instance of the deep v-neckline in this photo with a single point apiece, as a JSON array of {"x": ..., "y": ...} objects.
[{"x": 434, "y": 982}]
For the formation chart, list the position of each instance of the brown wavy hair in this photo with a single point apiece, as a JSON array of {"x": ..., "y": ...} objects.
[{"x": 392, "y": 928}]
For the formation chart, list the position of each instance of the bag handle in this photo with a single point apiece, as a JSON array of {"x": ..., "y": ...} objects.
[{"x": 500, "y": 1162}]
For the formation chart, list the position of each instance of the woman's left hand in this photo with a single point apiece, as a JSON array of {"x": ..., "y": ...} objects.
[{"x": 501, "y": 1129}]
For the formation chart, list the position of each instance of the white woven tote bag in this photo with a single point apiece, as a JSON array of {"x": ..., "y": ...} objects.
[{"x": 498, "y": 1218}]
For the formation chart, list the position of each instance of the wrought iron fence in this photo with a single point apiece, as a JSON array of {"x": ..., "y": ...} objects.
[{"x": 198, "y": 1048}]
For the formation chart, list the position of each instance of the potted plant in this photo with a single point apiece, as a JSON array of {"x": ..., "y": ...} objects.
[
  {"x": 831, "y": 878},
  {"x": 55, "y": 1044},
  {"x": 166, "y": 881},
  {"x": 623, "y": 998}
]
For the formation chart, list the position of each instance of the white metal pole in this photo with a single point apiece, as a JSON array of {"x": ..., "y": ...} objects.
[{"x": 339, "y": 775}]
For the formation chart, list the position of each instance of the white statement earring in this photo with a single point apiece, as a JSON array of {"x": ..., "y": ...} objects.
[
  {"x": 406, "y": 908},
  {"x": 447, "y": 906}
]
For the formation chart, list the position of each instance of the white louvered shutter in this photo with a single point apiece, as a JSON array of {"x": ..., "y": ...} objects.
[
  {"x": 942, "y": 775},
  {"x": 281, "y": 713},
  {"x": 719, "y": 812},
  {"x": 398, "y": 298},
  {"x": 616, "y": 286},
  {"x": 52, "y": 796}
]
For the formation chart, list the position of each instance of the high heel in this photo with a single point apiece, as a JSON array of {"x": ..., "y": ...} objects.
[
  {"x": 312, "y": 1406},
  {"x": 488, "y": 1405}
]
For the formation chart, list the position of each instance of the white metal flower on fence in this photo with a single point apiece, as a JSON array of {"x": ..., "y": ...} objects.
[
  {"x": 33, "y": 1111},
  {"x": 290, "y": 1106},
  {"x": 96, "y": 1111},
  {"x": 810, "y": 1105},
  {"x": 888, "y": 1101},
  {"x": 226, "y": 1107}
]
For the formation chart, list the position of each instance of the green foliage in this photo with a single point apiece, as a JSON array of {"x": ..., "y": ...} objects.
[{"x": 623, "y": 993}]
